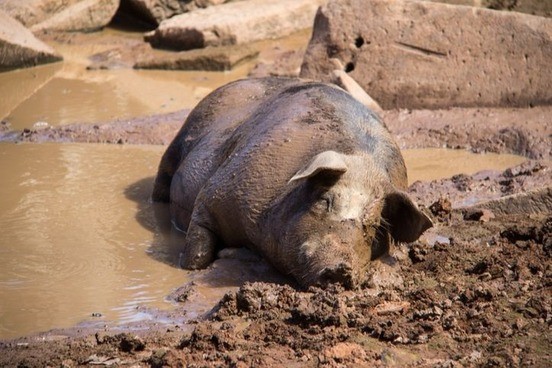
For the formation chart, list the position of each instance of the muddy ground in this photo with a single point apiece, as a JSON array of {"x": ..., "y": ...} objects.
[{"x": 474, "y": 291}]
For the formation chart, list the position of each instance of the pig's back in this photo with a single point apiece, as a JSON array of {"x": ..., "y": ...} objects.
[
  {"x": 277, "y": 140},
  {"x": 201, "y": 144}
]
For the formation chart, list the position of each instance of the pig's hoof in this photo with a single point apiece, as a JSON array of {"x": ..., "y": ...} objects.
[{"x": 193, "y": 262}]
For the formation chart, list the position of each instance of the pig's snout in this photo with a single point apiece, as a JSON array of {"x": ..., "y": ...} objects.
[
  {"x": 340, "y": 274},
  {"x": 334, "y": 259}
]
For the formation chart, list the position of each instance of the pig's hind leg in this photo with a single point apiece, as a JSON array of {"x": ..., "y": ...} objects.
[
  {"x": 201, "y": 243},
  {"x": 167, "y": 168}
]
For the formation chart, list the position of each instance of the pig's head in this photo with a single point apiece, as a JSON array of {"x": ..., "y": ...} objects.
[{"x": 340, "y": 212}]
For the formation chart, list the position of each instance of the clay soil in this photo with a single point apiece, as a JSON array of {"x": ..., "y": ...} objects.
[{"x": 474, "y": 291}]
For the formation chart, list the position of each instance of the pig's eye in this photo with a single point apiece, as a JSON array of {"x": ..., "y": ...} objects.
[{"x": 325, "y": 203}]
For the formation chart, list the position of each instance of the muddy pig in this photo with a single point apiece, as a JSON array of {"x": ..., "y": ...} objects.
[{"x": 298, "y": 171}]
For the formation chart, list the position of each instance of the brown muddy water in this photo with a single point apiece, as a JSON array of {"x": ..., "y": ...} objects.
[
  {"x": 428, "y": 164},
  {"x": 66, "y": 92},
  {"x": 80, "y": 235},
  {"x": 50, "y": 94}
]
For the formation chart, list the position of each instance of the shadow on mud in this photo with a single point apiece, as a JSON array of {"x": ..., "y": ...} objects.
[
  {"x": 233, "y": 266},
  {"x": 155, "y": 217}
]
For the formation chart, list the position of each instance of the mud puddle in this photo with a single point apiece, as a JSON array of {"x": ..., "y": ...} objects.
[
  {"x": 80, "y": 237},
  {"x": 56, "y": 98},
  {"x": 428, "y": 164},
  {"x": 76, "y": 237},
  {"x": 67, "y": 92}
]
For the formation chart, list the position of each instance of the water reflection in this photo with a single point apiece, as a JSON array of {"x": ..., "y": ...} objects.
[
  {"x": 155, "y": 217},
  {"x": 18, "y": 85},
  {"x": 67, "y": 92},
  {"x": 96, "y": 96}
]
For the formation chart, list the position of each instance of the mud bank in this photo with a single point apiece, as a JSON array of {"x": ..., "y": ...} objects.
[
  {"x": 526, "y": 132},
  {"x": 153, "y": 129}
]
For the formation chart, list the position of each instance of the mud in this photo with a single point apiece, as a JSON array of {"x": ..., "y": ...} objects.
[{"x": 474, "y": 291}]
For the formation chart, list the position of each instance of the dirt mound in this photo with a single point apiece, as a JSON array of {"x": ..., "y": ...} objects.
[{"x": 470, "y": 302}]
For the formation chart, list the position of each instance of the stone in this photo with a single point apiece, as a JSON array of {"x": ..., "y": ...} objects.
[
  {"x": 541, "y": 8},
  {"x": 61, "y": 15},
  {"x": 282, "y": 59},
  {"x": 395, "y": 307},
  {"x": 124, "y": 56},
  {"x": 210, "y": 59},
  {"x": 476, "y": 214},
  {"x": 534, "y": 202},
  {"x": 287, "y": 64},
  {"x": 20, "y": 48},
  {"x": 413, "y": 54},
  {"x": 234, "y": 23},
  {"x": 156, "y": 11}
]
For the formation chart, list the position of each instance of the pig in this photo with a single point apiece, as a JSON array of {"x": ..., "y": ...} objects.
[{"x": 298, "y": 171}]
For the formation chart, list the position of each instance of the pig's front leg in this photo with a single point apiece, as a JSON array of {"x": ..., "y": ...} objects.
[{"x": 200, "y": 245}]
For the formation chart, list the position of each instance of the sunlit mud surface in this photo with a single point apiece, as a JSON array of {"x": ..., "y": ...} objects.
[{"x": 80, "y": 236}]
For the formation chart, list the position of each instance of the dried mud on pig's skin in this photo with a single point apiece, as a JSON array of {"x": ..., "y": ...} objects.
[{"x": 313, "y": 178}]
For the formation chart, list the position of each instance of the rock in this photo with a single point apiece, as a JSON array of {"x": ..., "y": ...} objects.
[
  {"x": 476, "y": 214},
  {"x": 541, "y": 8},
  {"x": 155, "y": 11},
  {"x": 282, "y": 59},
  {"x": 384, "y": 274},
  {"x": 20, "y": 48},
  {"x": 184, "y": 293},
  {"x": 288, "y": 64},
  {"x": 538, "y": 201},
  {"x": 129, "y": 343},
  {"x": 119, "y": 57},
  {"x": 441, "y": 208},
  {"x": 61, "y": 15},
  {"x": 234, "y": 23},
  {"x": 102, "y": 360},
  {"x": 411, "y": 54},
  {"x": 387, "y": 308},
  {"x": 344, "y": 80},
  {"x": 210, "y": 58}
]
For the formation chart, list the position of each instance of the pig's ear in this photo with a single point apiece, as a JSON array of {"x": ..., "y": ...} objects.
[
  {"x": 406, "y": 222},
  {"x": 330, "y": 163}
]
